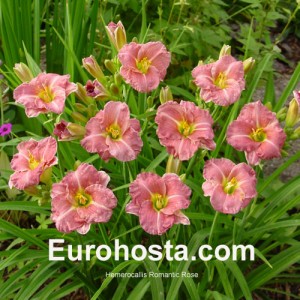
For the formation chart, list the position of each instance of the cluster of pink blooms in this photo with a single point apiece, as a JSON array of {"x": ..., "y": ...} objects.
[{"x": 82, "y": 196}]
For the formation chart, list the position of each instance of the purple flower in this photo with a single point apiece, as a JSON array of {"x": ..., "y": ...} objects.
[{"x": 5, "y": 129}]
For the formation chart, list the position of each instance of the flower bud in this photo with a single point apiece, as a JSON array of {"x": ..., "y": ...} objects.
[
  {"x": 118, "y": 79},
  {"x": 46, "y": 176},
  {"x": 281, "y": 114},
  {"x": 116, "y": 34},
  {"x": 114, "y": 89},
  {"x": 248, "y": 64},
  {"x": 32, "y": 191},
  {"x": 82, "y": 94},
  {"x": 23, "y": 72},
  {"x": 296, "y": 134},
  {"x": 80, "y": 107},
  {"x": 292, "y": 115},
  {"x": 173, "y": 165},
  {"x": 297, "y": 96},
  {"x": 76, "y": 164},
  {"x": 76, "y": 130},
  {"x": 76, "y": 116},
  {"x": 226, "y": 50},
  {"x": 150, "y": 101},
  {"x": 110, "y": 66},
  {"x": 91, "y": 65},
  {"x": 165, "y": 95},
  {"x": 182, "y": 177},
  {"x": 67, "y": 131},
  {"x": 135, "y": 40},
  {"x": 96, "y": 90},
  {"x": 269, "y": 106},
  {"x": 92, "y": 110}
]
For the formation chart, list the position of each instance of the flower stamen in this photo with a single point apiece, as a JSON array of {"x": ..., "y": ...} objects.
[
  {"x": 114, "y": 131},
  {"x": 82, "y": 199},
  {"x": 33, "y": 163},
  {"x": 220, "y": 81},
  {"x": 230, "y": 186},
  {"x": 143, "y": 65},
  {"x": 258, "y": 135},
  {"x": 185, "y": 128},
  {"x": 46, "y": 95},
  {"x": 159, "y": 201}
]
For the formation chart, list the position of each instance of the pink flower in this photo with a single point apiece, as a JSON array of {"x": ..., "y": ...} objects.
[
  {"x": 184, "y": 128},
  {"x": 33, "y": 158},
  {"x": 158, "y": 201},
  {"x": 257, "y": 132},
  {"x": 96, "y": 90},
  {"x": 230, "y": 187},
  {"x": 221, "y": 82},
  {"x": 82, "y": 198},
  {"x": 111, "y": 133},
  {"x": 44, "y": 93},
  {"x": 5, "y": 129},
  {"x": 144, "y": 65}
]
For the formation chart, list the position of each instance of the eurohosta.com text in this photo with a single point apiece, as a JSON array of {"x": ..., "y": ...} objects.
[{"x": 59, "y": 252}]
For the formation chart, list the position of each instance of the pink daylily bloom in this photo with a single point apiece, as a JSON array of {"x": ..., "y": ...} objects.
[
  {"x": 111, "y": 133},
  {"x": 221, "y": 82},
  {"x": 44, "y": 93},
  {"x": 229, "y": 186},
  {"x": 184, "y": 128},
  {"x": 158, "y": 201},
  {"x": 144, "y": 65},
  {"x": 257, "y": 132},
  {"x": 82, "y": 198},
  {"x": 32, "y": 159},
  {"x": 96, "y": 90}
]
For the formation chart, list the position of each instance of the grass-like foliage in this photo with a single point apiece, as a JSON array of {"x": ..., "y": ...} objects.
[{"x": 158, "y": 104}]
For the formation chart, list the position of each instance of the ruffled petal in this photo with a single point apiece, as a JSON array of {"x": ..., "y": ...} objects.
[{"x": 154, "y": 222}]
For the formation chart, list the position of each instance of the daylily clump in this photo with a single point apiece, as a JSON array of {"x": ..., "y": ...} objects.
[
  {"x": 158, "y": 201},
  {"x": 82, "y": 198},
  {"x": 31, "y": 161},
  {"x": 44, "y": 93},
  {"x": 229, "y": 186},
  {"x": 144, "y": 65},
  {"x": 221, "y": 82},
  {"x": 112, "y": 133},
  {"x": 184, "y": 128},
  {"x": 257, "y": 132}
]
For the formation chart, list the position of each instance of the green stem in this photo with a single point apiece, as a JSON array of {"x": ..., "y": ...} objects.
[
  {"x": 213, "y": 228},
  {"x": 287, "y": 25},
  {"x": 246, "y": 213},
  {"x": 85, "y": 266}
]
